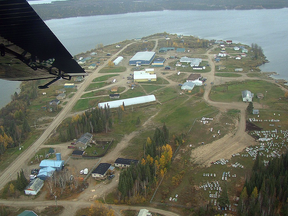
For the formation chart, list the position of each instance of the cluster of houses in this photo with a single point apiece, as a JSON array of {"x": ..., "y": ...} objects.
[
  {"x": 100, "y": 172},
  {"x": 47, "y": 169},
  {"x": 192, "y": 81}
]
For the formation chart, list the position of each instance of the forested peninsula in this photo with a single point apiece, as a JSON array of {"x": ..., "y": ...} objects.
[{"x": 74, "y": 8}]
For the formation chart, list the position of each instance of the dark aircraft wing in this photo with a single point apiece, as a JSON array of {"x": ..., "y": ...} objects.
[{"x": 29, "y": 49}]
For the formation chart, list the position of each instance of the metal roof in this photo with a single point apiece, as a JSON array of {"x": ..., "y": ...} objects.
[
  {"x": 128, "y": 102},
  {"x": 51, "y": 163},
  {"x": 35, "y": 185},
  {"x": 188, "y": 86},
  {"x": 125, "y": 161},
  {"x": 146, "y": 56},
  {"x": 143, "y": 75},
  {"x": 101, "y": 168},
  {"x": 85, "y": 138}
]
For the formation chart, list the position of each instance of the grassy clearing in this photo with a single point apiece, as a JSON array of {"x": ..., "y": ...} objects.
[
  {"x": 117, "y": 69},
  {"x": 136, "y": 92},
  {"x": 96, "y": 93},
  {"x": 88, "y": 103},
  {"x": 232, "y": 92},
  {"x": 181, "y": 78},
  {"x": 228, "y": 75},
  {"x": 104, "y": 78},
  {"x": 93, "y": 86},
  {"x": 160, "y": 81},
  {"x": 151, "y": 88},
  {"x": 168, "y": 93}
]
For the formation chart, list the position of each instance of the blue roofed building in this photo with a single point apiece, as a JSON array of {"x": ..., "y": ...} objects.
[
  {"x": 46, "y": 172},
  {"x": 180, "y": 50},
  {"x": 158, "y": 62},
  {"x": 166, "y": 49},
  {"x": 27, "y": 213},
  {"x": 48, "y": 167}
]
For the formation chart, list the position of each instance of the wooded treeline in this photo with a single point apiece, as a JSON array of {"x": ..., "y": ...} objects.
[
  {"x": 136, "y": 181},
  {"x": 266, "y": 192},
  {"x": 14, "y": 126},
  {"x": 74, "y": 8},
  {"x": 92, "y": 121}
]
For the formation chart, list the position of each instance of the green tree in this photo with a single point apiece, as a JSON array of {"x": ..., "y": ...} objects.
[
  {"x": 250, "y": 108},
  {"x": 223, "y": 200}
]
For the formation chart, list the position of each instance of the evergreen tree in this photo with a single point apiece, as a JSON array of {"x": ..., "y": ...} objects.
[{"x": 250, "y": 108}]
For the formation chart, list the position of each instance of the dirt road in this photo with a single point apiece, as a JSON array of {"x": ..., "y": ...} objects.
[
  {"x": 231, "y": 143},
  {"x": 11, "y": 171}
]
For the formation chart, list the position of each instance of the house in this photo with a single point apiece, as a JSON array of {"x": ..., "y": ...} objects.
[
  {"x": 27, "y": 213},
  {"x": 123, "y": 162},
  {"x": 54, "y": 102},
  {"x": 57, "y": 164},
  {"x": 34, "y": 187},
  {"x": 83, "y": 141},
  {"x": 222, "y": 54},
  {"x": 61, "y": 96},
  {"x": 244, "y": 50},
  {"x": 247, "y": 96},
  {"x": 77, "y": 153},
  {"x": 228, "y": 41},
  {"x": 243, "y": 55},
  {"x": 191, "y": 61},
  {"x": 193, "y": 77},
  {"x": 238, "y": 57},
  {"x": 188, "y": 86},
  {"x": 236, "y": 48},
  {"x": 92, "y": 66},
  {"x": 101, "y": 170},
  {"x": 144, "y": 212},
  {"x": 238, "y": 69}
]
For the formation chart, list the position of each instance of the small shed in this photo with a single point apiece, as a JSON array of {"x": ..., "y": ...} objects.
[
  {"x": 247, "y": 96},
  {"x": 34, "y": 187},
  {"x": 255, "y": 112},
  {"x": 124, "y": 162},
  {"x": 77, "y": 153},
  {"x": 114, "y": 96},
  {"x": 101, "y": 170}
]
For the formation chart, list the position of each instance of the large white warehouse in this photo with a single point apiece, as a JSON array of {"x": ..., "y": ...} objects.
[
  {"x": 128, "y": 102},
  {"x": 142, "y": 58}
]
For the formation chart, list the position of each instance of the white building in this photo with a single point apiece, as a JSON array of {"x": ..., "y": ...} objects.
[
  {"x": 247, "y": 96},
  {"x": 118, "y": 60},
  {"x": 34, "y": 187},
  {"x": 128, "y": 102},
  {"x": 192, "y": 61},
  {"x": 144, "y": 212},
  {"x": 144, "y": 76}
]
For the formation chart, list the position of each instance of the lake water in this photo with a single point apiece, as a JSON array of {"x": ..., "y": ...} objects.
[{"x": 267, "y": 28}]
